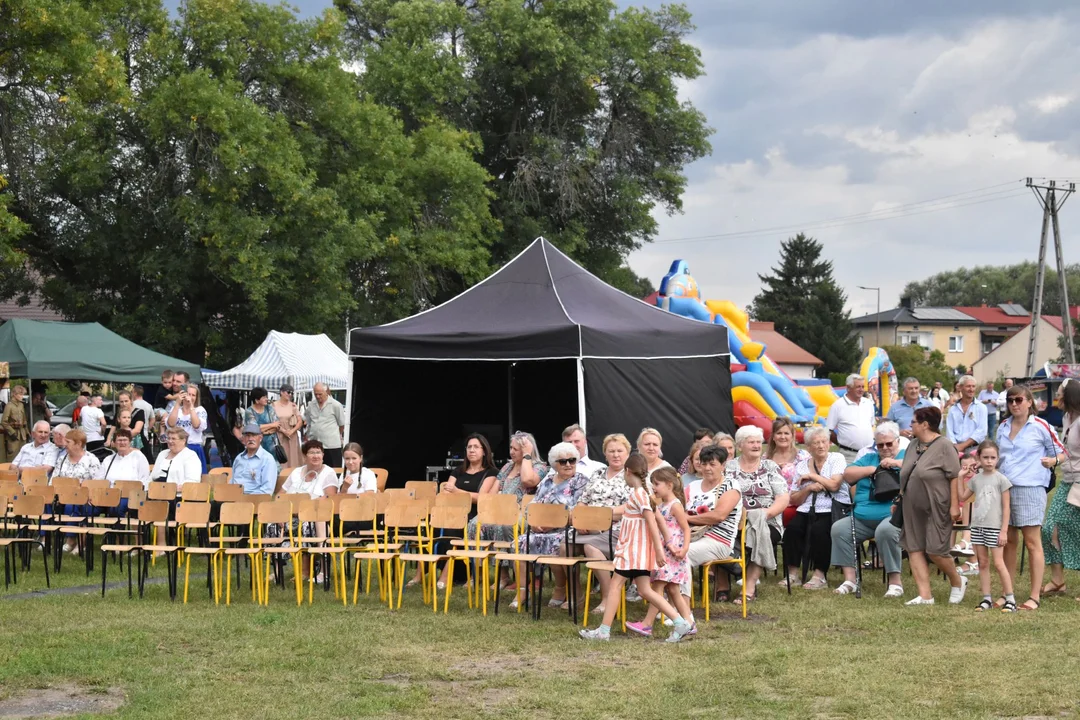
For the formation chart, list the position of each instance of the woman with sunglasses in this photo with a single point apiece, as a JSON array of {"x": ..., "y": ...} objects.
[{"x": 1029, "y": 451}]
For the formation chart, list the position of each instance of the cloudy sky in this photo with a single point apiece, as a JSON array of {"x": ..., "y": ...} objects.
[{"x": 898, "y": 134}]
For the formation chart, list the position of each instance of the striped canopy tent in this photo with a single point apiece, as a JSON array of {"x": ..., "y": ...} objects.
[{"x": 300, "y": 360}]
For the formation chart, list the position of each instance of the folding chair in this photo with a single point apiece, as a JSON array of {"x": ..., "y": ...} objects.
[
  {"x": 321, "y": 513},
  {"x": 442, "y": 518},
  {"x": 25, "y": 509},
  {"x": 279, "y": 512},
  {"x": 536, "y": 515},
  {"x": 583, "y": 518},
  {"x": 149, "y": 512},
  {"x": 740, "y": 561},
  {"x": 381, "y": 476}
]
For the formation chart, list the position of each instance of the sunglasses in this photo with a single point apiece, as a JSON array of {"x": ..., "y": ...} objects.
[
  {"x": 566, "y": 461},
  {"x": 1015, "y": 400},
  {"x": 882, "y": 446}
]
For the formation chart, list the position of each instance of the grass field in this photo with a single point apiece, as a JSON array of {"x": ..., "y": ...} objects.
[{"x": 811, "y": 655}]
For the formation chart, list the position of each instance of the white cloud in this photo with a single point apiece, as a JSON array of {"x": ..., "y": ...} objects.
[{"x": 833, "y": 126}]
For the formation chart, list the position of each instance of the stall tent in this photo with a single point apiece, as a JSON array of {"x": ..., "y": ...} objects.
[
  {"x": 300, "y": 360},
  {"x": 538, "y": 345}
]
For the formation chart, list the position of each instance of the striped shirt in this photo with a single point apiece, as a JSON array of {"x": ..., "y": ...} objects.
[
  {"x": 700, "y": 503},
  {"x": 1021, "y": 457}
]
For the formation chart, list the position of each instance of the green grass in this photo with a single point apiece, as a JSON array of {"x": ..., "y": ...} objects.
[{"x": 810, "y": 655}]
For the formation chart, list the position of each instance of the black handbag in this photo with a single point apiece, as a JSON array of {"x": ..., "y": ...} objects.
[
  {"x": 279, "y": 452},
  {"x": 885, "y": 484}
]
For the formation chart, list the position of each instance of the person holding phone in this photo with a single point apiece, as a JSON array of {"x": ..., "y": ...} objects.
[{"x": 187, "y": 414}]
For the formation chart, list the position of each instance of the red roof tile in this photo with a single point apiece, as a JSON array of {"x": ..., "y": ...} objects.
[
  {"x": 995, "y": 316},
  {"x": 779, "y": 349}
]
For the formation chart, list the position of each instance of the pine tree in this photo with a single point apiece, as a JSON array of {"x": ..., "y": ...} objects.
[{"x": 807, "y": 306}]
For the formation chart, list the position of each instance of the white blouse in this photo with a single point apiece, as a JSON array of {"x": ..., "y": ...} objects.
[
  {"x": 367, "y": 482},
  {"x": 132, "y": 466},
  {"x": 315, "y": 487},
  {"x": 185, "y": 467}
]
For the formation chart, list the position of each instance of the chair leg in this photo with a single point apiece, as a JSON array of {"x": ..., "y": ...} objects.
[{"x": 705, "y": 591}]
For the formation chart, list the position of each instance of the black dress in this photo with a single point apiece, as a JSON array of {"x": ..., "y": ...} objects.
[{"x": 471, "y": 482}]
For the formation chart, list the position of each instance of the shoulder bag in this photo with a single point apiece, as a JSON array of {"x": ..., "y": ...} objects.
[{"x": 885, "y": 484}]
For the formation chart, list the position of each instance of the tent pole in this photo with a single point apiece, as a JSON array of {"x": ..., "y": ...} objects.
[
  {"x": 348, "y": 391},
  {"x": 581, "y": 393},
  {"x": 510, "y": 395}
]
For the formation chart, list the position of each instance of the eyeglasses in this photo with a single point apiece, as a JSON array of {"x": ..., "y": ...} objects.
[
  {"x": 882, "y": 446},
  {"x": 1015, "y": 400},
  {"x": 566, "y": 461}
]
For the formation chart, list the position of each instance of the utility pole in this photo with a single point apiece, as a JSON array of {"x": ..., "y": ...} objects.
[{"x": 1048, "y": 198}]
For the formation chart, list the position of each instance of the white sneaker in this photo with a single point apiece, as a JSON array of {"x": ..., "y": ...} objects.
[
  {"x": 894, "y": 591},
  {"x": 956, "y": 595},
  {"x": 919, "y": 600}
]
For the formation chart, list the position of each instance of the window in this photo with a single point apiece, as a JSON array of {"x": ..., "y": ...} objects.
[
  {"x": 956, "y": 343},
  {"x": 922, "y": 339}
]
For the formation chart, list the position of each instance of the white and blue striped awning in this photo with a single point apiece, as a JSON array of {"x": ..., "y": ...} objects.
[{"x": 300, "y": 360}]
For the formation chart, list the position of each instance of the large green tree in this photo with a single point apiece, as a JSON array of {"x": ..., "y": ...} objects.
[
  {"x": 575, "y": 104},
  {"x": 197, "y": 181},
  {"x": 807, "y": 306},
  {"x": 993, "y": 285}
]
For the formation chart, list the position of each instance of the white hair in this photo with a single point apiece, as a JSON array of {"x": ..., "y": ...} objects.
[
  {"x": 965, "y": 378},
  {"x": 62, "y": 429},
  {"x": 888, "y": 428},
  {"x": 852, "y": 378},
  {"x": 746, "y": 432},
  {"x": 810, "y": 433},
  {"x": 41, "y": 422},
  {"x": 562, "y": 450},
  {"x": 908, "y": 380}
]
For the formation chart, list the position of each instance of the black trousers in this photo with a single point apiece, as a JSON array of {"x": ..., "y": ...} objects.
[{"x": 820, "y": 536}]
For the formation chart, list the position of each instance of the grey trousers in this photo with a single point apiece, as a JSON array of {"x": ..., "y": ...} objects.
[{"x": 885, "y": 534}]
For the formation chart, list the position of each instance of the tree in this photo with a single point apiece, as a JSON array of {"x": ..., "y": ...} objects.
[
  {"x": 228, "y": 175},
  {"x": 926, "y": 366},
  {"x": 807, "y": 306},
  {"x": 575, "y": 104},
  {"x": 993, "y": 285}
]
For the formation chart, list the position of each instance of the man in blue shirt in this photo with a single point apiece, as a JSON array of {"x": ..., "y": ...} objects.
[
  {"x": 871, "y": 517},
  {"x": 255, "y": 468},
  {"x": 966, "y": 423},
  {"x": 903, "y": 410}
]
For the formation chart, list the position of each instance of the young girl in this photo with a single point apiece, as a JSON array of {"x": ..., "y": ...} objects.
[
  {"x": 989, "y": 521},
  {"x": 675, "y": 531},
  {"x": 640, "y": 549},
  {"x": 969, "y": 465}
]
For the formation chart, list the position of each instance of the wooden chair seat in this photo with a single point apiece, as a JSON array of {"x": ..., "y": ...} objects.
[
  {"x": 503, "y": 545},
  {"x": 202, "y": 550},
  {"x": 471, "y": 554},
  {"x": 420, "y": 557},
  {"x": 242, "y": 551},
  {"x": 161, "y": 548},
  {"x": 383, "y": 547},
  {"x": 229, "y": 539},
  {"x": 328, "y": 550},
  {"x": 560, "y": 560},
  {"x": 601, "y": 565},
  {"x": 519, "y": 557},
  {"x": 120, "y": 548},
  {"x": 375, "y": 556},
  {"x": 460, "y": 542},
  {"x": 287, "y": 549}
]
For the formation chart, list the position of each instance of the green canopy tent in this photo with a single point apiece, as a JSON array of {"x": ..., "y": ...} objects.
[{"x": 42, "y": 350}]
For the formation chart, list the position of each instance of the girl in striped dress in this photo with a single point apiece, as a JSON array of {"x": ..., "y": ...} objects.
[{"x": 639, "y": 551}]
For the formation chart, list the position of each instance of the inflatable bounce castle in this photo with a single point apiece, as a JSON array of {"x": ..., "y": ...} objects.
[{"x": 760, "y": 390}]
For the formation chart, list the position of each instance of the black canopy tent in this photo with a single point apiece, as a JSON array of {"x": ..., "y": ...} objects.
[{"x": 538, "y": 345}]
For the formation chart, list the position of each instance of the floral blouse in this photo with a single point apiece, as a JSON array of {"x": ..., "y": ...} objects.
[
  {"x": 512, "y": 485},
  {"x": 759, "y": 488},
  {"x": 787, "y": 470},
  {"x": 565, "y": 493},
  {"x": 602, "y": 491},
  {"x": 88, "y": 468}
]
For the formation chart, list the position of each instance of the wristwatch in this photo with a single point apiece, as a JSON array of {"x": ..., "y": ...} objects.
[{"x": 526, "y": 457}]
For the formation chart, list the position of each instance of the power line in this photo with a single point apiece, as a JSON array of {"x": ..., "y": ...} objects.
[{"x": 894, "y": 213}]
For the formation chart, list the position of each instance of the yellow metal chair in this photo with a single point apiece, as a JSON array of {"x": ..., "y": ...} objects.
[
  {"x": 537, "y": 515},
  {"x": 279, "y": 512},
  {"x": 441, "y": 518},
  {"x": 320, "y": 512},
  {"x": 706, "y": 569}
]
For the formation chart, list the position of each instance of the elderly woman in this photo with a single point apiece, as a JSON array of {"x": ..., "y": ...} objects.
[
  {"x": 315, "y": 479},
  {"x": 872, "y": 518},
  {"x": 16, "y": 431},
  {"x": 713, "y": 511},
  {"x": 178, "y": 463},
  {"x": 649, "y": 443},
  {"x": 1061, "y": 531},
  {"x": 1029, "y": 451},
  {"x": 930, "y": 501},
  {"x": 126, "y": 463},
  {"x": 564, "y": 488},
  {"x": 606, "y": 488},
  {"x": 819, "y": 485},
  {"x": 77, "y": 462},
  {"x": 765, "y": 496},
  {"x": 787, "y": 456}
]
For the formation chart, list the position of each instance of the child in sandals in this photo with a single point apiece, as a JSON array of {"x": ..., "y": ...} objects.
[{"x": 989, "y": 522}]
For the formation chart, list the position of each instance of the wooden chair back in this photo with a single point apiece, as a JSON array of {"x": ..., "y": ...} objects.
[
  {"x": 4, "y": 500},
  {"x": 218, "y": 479},
  {"x": 398, "y": 495},
  {"x": 422, "y": 488},
  {"x": 258, "y": 500},
  {"x": 459, "y": 499},
  {"x": 228, "y": 493},
  {"x": 193, "y": 513},
  {"x": 357, "y": 508},
  {"x": 282, "y": 476},
  {"x": 227, "y": 472},
  {"x": 63, "y": 481},
  {"x": 448, "y": 517},
  {"x": 104, "y": 497},
  {"x": 382, "y": 501},
  {"x": 47, "y": 492},
  {"x": 498, "y": 509},
  {"x": 545, "y": 515},
  {"x": 295, "y": 499},
  {"x": 9, "y": 475},
  {"x": 194, "y": 492},
  {"x": 5, "y": 466},
  {"x": 275, "y": 512},
  {"x": 35, "y": 473},
  {"x": 35, "y": 479},
  {"x": 405, "y": 515},
  {"x": 381, "y": 476},
  {"x": 127, "y": 487},
  {"x": 237, "y": 513},
  {"x": 526, "y": 500},
  {"x": 28, "y": 506},
  {"x": 10, "y": 488},
  {"x": 135, "y": 497},
  {"x": 586, "y": 518},
  {"x": 92, "y": 485},
  {"x": 162, "y": 491},
  {"x": 153, "y": 511},
  {"x": 73, "y": 495},
  {"x": 320, "y": 510}
]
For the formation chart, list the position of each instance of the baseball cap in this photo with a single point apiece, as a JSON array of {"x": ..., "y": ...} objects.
[{"x": 251, "y": 429}]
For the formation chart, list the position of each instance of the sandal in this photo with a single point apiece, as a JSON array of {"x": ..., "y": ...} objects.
[
  {"x": 985, "y": 605},
  {"x": 846, "y": 588},
  {"x": 1030, "y": 600},
  {"x": 722, "y": 597},
  {"x": 749, "y": 599},
  {"x": 1053, "y": 588},
  {"x": 1001, "y": 602},
  {"x": 1008, "y": 607}
]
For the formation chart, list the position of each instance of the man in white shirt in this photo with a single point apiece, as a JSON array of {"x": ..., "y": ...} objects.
[
  {"x": 1001, "y": 396},
  {"x": 38, "y": 453},
  {"x": 575, "y": 435},
  {"x": 988, "y": 397},
  {"x": 851, "y": 419}
]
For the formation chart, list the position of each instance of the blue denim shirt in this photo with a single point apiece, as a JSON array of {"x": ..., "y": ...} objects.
[
  {"x": 902, "y": 414},
  {"x": 257, "y": 474}
]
